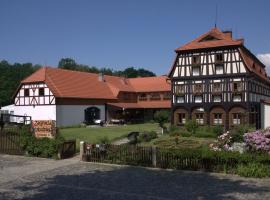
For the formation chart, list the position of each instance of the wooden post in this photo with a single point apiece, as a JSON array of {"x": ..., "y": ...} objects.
[
  {"x": 82, "y": 146},
  {"x": 154, "y": 156}
]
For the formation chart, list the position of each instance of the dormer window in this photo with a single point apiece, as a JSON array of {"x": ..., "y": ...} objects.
[
  {"x": 196, "y": 60},
  {"x": 219, "y": 57},
  {"x": 196, "y": 70},
  {"x": 26, "y": 92}
]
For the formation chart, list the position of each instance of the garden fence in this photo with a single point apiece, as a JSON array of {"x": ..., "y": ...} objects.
[{"x": 182, "y": 159}]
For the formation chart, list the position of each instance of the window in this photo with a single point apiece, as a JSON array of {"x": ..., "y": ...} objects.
[
  {"x": 181, "y": 118},
  {"x": 198, "y": 88},
  {"x": 41, "y": 91},
  {"x": 237, "y": 87},
  {"x": 196, "y": 60},
  {"x": 216, "y": 88},
  {"x": 199, "y": 118},
  {"x": 167, "y": 95},
  {"x": 143, "y": 97},
  {"x": 219, "y": 57},
  {"x": 237, "y": 98},
  {"x": 196, "y": 70},
  {"x": 26, "y": 92},
  {"x": 217, "y": 98},
  {"x": 219, "y": 69},
  {"x": 217, "y": 118},
  {"x": 236, "y": 118},
  {"x": 179, "y": 89},
  {"x": 155, "y": 96},
  {"x": 198, "y": 99},
  {"x": 180, "y": 99}
]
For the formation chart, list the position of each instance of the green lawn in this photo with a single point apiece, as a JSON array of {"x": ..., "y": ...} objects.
[{"x": 93, "y": 135}]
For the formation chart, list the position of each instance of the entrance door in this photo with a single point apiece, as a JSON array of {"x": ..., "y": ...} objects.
[{"x": 91, "y": 114}]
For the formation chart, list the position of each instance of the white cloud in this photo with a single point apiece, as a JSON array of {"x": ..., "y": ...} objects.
[{"x": 265, "y": 59}]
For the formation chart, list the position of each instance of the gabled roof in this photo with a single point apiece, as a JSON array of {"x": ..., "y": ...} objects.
[
  {"x": 213, "y": 38},
  {"x": 74, "y": 84}
]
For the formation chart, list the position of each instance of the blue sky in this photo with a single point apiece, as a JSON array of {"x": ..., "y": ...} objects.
[{"x": 122, "y": 33}]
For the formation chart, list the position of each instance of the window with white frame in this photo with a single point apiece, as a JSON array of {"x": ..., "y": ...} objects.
[
  {"x": 236, "y": 118},
  {"x": 199, "y": 118},
  {"x": 219, "y": 68},
  {"x": 217, "y": 118},
  {"x": 196, "y": 70},
  {"x": 216, "y": 98},
  {"x": 198, "y": 99},
  {"x": 180, "y": 99},
  {"x": 237, "y": 98},
  {"x": 181, "y": 118}
]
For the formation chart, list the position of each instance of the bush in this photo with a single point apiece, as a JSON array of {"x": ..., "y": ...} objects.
[
  {"x": 205, "y": 132},
  {"x": 161, "y": 117},
  {"x": 41, "y": 147},
  {"x": 257, "y": 170},
  {"x": 238, "y": 132},
  {"x": 103, "y": 140},
  {"x": 218, "y": 130},
  {"x": 258, "y": 141},
  {"x": 147, "y": 136},
  {"x": 191, "y": 126}
]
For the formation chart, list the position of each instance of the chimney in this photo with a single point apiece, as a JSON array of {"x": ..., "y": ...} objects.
[
  {"x": 228, "y": 33},
  {"x": 101, "y": 77}
]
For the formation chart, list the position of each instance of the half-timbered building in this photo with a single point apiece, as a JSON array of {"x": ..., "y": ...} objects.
[
  {"x": 216, "y": 80},
  {"x": 72, "y": 97}
]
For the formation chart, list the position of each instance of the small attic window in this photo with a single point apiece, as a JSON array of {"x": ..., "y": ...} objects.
[
  {"x": 253, "y": 66},
  {"x": 208, "y": 38},
  {"x": 196, "y": 60}
]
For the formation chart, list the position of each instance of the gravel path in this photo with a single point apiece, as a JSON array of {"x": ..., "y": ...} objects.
[{"x": 33, "y": 178}]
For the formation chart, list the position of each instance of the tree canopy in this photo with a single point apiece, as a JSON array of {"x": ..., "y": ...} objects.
[{"x": 130, "y": 72}]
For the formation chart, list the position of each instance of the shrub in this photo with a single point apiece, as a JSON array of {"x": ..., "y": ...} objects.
[
  {"x": 205, "y": 132},
  {"x": 258, "y": 141},
  {"x": 41, "y": 147},
  {"x": 238, "y": 132},
  {"x": 191, "y": 126},
  {"x": 104, "y": 140},
  {"x": 161, "y": 117},
  {"x": 147, "y": 136},
  {"x": 223, "y": 142},
  {"x": 186, "y": 134},
  {"x": 218, "y": 130},
  {"x": 257, "y": 170}
]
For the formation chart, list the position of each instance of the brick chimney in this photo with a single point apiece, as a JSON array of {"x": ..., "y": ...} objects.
[{"x": 228, "y": 33}]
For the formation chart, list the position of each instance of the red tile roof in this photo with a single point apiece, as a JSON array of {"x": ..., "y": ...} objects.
[
  {"x": 213, "y": 38},
  {"x": 217, "y": 38},
  {"x": 74, "y": 84},
  {"x": 150, "y": 84}
]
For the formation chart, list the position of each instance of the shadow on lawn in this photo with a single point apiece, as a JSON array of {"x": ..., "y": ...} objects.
[{"x": 140, "y": 183}]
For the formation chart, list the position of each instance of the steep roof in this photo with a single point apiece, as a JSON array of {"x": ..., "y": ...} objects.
[
  {"x": 213, "y": 38},
  {"x": 216, "y": 38},
  {"x": 74, "y": 84}
]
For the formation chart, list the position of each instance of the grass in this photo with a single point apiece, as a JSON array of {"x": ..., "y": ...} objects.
[
  {"x": 94, "y": 134},
  {"x": 183, "y": 142}
]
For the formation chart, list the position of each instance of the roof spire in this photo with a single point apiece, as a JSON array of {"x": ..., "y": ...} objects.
[{"x": 216, "y": 16}]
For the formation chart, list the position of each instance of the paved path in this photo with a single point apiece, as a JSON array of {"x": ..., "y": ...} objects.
[{"x": 34, "y": 178}]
